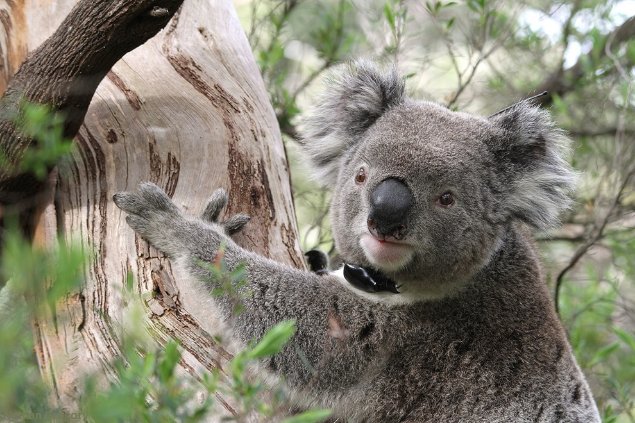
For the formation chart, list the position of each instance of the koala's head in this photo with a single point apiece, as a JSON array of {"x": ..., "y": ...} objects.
[{"x": 426, "y": 194}]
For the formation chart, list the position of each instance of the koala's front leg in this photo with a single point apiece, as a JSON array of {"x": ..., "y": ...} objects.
[
  {"x": 158, "y": 220},
  {"x": 339, "y": 334}
]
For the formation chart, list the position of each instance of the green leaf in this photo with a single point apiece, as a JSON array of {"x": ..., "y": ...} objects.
[
  {"x": 67, "y": 265},
  {"x": 598, "y": 43},
  {"x": 390, "y": 16},
  {"x": 630, "y": 51},
  {"x": 239, "y": 274},
  {"x": 311, "y": 416},
  {"x": 238, "y": 365},
  {"x": 559, "y": 105},
  {"x": 603, "y": 353},
  {"x": 146, "y": 366},
  {"x": 498, "y": 23},
  {"x": 474, "y": 5},
  {"x": 274, "y": 340},
  {"x": 625, "y": 337},
  {"x": 47, "y": 130},
  {"x": 170, "y": 358}
]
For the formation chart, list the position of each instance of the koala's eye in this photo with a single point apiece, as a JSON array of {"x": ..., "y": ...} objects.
[
  {"x": 446, "y": 199},
  {"x": 360, "y": 177}
]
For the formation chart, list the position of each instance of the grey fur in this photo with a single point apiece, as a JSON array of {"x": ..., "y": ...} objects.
[
  {"x": 533, "y": 153},
  {"x": 215, "y": 205},
  {"x": 358, "y": 94},
  {"x": 472, "y": 337}
]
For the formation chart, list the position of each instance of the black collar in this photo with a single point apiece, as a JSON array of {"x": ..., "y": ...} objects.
[{"x": 369, "y": 280}]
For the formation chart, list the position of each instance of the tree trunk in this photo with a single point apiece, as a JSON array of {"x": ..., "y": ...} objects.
[
  {"x": 64, "y": 73},
  {"x": 188, "y": 111}
]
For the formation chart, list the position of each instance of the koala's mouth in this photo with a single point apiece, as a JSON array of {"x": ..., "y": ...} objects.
[{"x": 386, "y": 255}]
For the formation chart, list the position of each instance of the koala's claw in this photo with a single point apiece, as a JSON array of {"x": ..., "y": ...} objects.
[
  {"x": 215, "y": 205},
  {"x": 235, "y": 223},
  {"x": 147, "y": 200},
  {"x": 154, "y": 217}
]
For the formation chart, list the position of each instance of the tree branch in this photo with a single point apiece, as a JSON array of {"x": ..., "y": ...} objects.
[
  {"x": 601, "y": 132},
  {"x": 564, "y": 80},
  {"x": 595, "y": 237},
  {"x": 64, "y": 73}
]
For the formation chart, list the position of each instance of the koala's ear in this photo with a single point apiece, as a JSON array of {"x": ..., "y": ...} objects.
[
  {"x": 531, "y": 154},
  {"x": 356, "y": 95}
]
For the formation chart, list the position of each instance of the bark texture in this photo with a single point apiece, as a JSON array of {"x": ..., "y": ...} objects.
[
  {"x": 188, "y": 111},
  {"x": 65, "y": 70}
]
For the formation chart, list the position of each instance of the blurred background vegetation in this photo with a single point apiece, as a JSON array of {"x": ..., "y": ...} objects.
[{"x": 480, "y": 56}]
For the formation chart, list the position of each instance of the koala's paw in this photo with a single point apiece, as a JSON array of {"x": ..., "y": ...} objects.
[
  {"x": 215, "y": 205},
  {"x": 318, "y": 261},
  {"x": 155, "y": 217},
  {"x": 159, "y": 221}
]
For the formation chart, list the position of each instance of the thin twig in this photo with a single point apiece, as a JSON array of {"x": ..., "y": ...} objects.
[
  {"x": 599, "y": 232},
  {"x": 566, "y": 32},
  {"x": 619, "y": 134},
  {"x": 468, "y": 80},
  {"x": 600, "y": 132},
  {"x": 483, "y": 55},
  {"x": 312, "y": 76}
]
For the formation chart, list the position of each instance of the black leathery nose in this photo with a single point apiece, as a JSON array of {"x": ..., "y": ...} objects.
[{"x": 390, "y": 202}]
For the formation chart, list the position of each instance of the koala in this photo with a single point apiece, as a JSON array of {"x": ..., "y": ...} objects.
[{"x": 441, "y": 312}]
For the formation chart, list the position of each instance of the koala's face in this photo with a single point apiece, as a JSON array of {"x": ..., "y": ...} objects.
[
  {"x": 415, "y": 199},
  {"x": 425, "y": 194}
]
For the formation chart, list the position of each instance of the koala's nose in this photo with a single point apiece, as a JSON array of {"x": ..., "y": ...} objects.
[{"x": 390, "y": 203}]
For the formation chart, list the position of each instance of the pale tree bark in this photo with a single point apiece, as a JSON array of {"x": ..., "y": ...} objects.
[
  {"x": 64, "y": 73},
  {"x": 187, "y": 110}
]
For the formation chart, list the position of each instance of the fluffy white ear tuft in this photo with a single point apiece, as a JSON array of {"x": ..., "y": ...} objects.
[
  {"x": 532, "y": 154},
  {"x": 357, "y": 94}
]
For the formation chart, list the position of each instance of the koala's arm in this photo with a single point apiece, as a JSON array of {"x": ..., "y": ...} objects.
[{"x": 339, "y": 336}]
